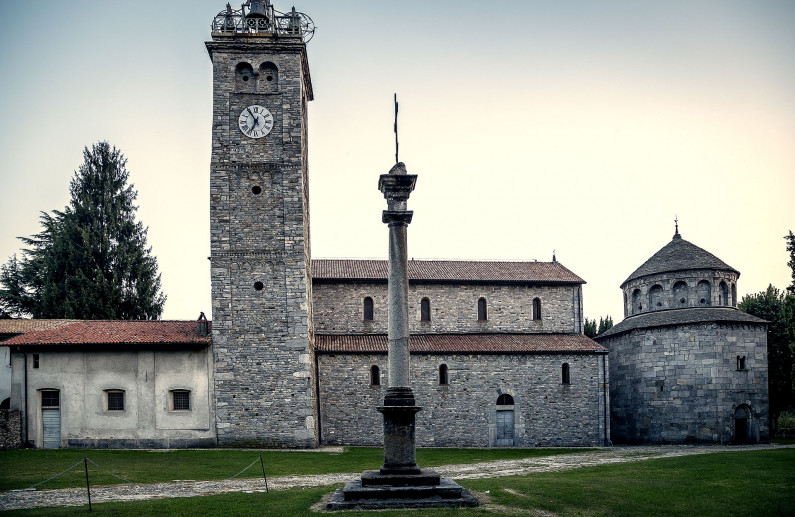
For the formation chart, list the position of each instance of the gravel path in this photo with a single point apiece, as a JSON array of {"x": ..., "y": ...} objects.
[{"x": 14, "y": 500}]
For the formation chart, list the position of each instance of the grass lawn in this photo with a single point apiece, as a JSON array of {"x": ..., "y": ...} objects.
[
  {"x": 734, "y": 483},
  {"x": 24, "y": 468}
]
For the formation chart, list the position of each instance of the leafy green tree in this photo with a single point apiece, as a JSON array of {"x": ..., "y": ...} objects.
[
  {"x": 790, "y": 238},
  {"x": 771, "y": 306},
  {"x": 91, "y": 260}
]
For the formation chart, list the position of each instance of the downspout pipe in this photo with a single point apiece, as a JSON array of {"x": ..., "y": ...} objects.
[{"x": 25, "y": 399}]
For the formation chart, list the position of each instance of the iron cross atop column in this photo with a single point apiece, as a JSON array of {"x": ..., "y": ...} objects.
[{"x": 396, "y": 131}]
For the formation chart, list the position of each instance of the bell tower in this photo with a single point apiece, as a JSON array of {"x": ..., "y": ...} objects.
[{"x": 259, "y": 225}]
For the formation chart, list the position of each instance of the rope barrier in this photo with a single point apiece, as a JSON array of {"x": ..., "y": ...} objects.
[
  {"x": 55, "y": 476},
  {"x": 245, "y": 469},
  {"x": 106, "y": 471}
]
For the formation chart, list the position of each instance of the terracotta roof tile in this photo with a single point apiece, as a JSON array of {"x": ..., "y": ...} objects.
[
  {"x": 137, "y": 332},
  {"x": 461, "y": 343},
  {"x": 21, "y": 326},
  {"x": 447, "y": 271}
]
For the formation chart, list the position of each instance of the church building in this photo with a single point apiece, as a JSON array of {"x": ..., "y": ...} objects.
[
  {"x": 685, "y": 364},
  {"x": 295, "y": 355}
]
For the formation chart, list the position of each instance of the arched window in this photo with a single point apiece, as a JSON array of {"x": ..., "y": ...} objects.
[
  {"x": 444, "y": 378},
  {"x": 425, "y": 310},
  {"x": 505, "y": 400},
  {"x": 704, "y": 290},
  {"x": 723, "y": 293},
  {"x": 680, "y": 294},
  {"x": 565, "y": 374},
  {"x": 482, "y": 311},
  {"x": 368, "y": 309},
  {"x": 637, "y": 306},
  {"x": 734, "y": 295},
  {"x": 656, "y": 297},
  {"x": 536, "y": 308},
  {"x": 375, "y": 376}
]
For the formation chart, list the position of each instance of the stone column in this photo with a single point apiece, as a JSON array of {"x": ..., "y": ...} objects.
[
  {"x": 399, "y": 407},
  {"x": 399, "y": 483}
]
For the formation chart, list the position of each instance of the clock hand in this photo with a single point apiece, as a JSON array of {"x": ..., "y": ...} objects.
[{"x": 250, "y": 113}]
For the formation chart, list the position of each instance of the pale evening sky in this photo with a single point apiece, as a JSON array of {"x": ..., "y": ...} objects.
[{"x": 582, "y": 127}]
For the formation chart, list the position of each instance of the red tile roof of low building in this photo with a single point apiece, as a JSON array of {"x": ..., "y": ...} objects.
[
  {"x": 99, "y": 332},
  {"x": 447, "y": 271},
  {"x": 462, "y": 343},
  {"x": 21, "y": 326}
]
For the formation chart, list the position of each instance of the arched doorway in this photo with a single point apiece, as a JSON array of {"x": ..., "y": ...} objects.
[
  {"x": 505, "y": 421},
  {"x": 742, "y": 417}
]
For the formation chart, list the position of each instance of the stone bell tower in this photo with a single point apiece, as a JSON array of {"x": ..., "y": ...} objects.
[{"x": 259, "y": 224}]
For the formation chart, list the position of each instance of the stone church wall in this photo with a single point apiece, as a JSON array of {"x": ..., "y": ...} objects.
[
  {"x": 464, "y": 412},
  {"x": 682, "y": 384},
  {"x": 338, "y": 308}
]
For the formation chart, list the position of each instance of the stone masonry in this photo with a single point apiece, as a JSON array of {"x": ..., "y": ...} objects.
[
  {"x": 259, "y": 216},
  {"x": 454, "y": 308},
  {"x": 463, "y": 413},
  {"x": 681, "y": 384}
]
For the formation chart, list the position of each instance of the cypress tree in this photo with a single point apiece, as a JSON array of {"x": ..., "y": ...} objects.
[{"x": 90, "y": 261}]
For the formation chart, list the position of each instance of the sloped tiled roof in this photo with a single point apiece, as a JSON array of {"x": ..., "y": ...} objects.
[
  {"x": 21, "y": 326},
  {"x": 137, "y": 332},
  {"x": 679, "y": 255},
  {"x": 447, "y": 271},
  {"x": 461, "y": 343},
  {"x": 670, "y": 317}
]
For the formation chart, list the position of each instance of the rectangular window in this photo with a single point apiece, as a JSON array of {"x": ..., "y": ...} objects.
[
  {"x": 180, "y": 400},
  {"x": 115, "y": 400},
  {"x": 35, "y": 360},
  {"x": 50, "y": 398}
]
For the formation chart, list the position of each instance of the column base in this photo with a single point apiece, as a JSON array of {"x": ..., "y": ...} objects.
[{"x": 400, "y": 492}]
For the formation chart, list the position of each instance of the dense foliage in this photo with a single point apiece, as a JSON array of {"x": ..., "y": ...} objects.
[
  {"x": 592, "y": 329},
  {"x": 778, "y": 308},
  {"x": 91, "y": 260}
]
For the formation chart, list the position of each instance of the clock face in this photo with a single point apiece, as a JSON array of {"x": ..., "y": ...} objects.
[{"x": 255, "y": 121}]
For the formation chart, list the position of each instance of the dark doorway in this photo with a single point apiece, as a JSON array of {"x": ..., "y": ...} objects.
[{"x": 741, "y": 415}]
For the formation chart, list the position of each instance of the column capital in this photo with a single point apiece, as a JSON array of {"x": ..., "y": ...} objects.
[{"x": 397, "y": 217}]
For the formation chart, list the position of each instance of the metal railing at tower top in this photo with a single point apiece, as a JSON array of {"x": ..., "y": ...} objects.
[{"x": 261, "y": 17}]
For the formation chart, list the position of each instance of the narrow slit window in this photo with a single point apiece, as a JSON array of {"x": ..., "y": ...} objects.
[
  {"x": 536, "y": 308},
  {"x": 565, "y": 374},
  {"x": 425, "y": 310},
  {"x": 444, "y": 376},
  {"x": 368, "y": 309},
  {"x": 375, "y": 376},
  {"x": 482, "y": 310}
]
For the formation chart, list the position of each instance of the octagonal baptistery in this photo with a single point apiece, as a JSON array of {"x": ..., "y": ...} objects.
[{"x": 685, "y": 364}]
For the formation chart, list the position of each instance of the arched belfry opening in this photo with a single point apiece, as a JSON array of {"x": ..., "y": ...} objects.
[
  {"x": 268, "y": 78},
  {"x": 245, "y": 80}
]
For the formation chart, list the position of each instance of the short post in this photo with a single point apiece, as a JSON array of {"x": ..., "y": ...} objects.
[
  {"x": 262, "y": 464},
  {"x": 88, "y": 487}
]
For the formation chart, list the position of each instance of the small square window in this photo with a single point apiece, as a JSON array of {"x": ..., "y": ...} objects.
[
  {"x": 180, "y": 400},
  {"x": 115, "y": 400}
]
